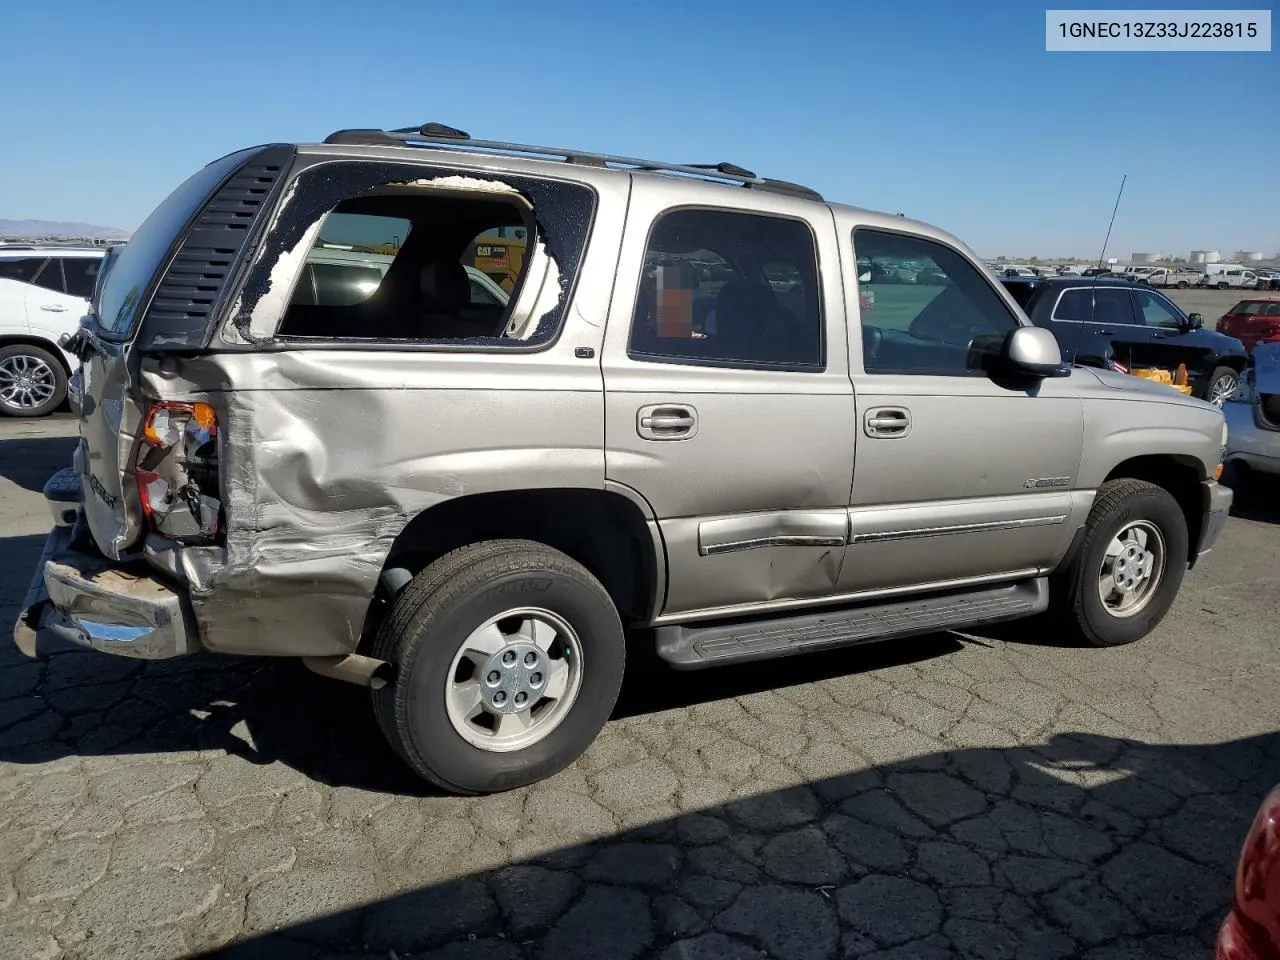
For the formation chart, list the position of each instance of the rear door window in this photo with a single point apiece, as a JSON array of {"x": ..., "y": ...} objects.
[
  {"x": 727, "y": 288},
  {"x": 23, "y": 269},
  {"x": 81, "y": 274},
  {"x": 1113, "y": 307},
  {"x": 50, "y": 276}
]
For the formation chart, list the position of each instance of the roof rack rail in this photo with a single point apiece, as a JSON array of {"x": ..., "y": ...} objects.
[{"x": 442, "y": 135}]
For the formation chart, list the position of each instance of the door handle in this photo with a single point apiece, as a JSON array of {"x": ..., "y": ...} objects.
[
  {"x": 1106, "y": 333},
  {"x": 667, "y": 422},
  {"x": 887, "y": 422},
  {"x": 53, "y": 307}
]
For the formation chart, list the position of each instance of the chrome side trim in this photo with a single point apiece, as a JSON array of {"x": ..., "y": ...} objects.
[
  {"x": 711, "y": 549},
  {"x": 828, "y": 527},
  {"x": 916, "y": 532},
  {"x": 770, "y": 606}
]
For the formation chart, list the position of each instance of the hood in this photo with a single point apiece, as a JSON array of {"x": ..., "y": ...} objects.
[{"x": 1143, "y": 389}]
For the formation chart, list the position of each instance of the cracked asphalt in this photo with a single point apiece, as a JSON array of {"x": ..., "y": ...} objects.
[{"x": 990, "y": 796}]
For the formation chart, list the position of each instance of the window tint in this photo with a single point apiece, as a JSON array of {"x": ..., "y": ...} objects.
[
  {"x": 50, "y": 276},
  {"x": 344, "y": 284},
  {"x": 1073, "y": 305},
  {"x": 935, "y": 312},
  {"x": 1155, "y": 311},
  {"x": 729, "y": 288},
  {"x": 81, "y": 274},
  {"x": 1273, "y": 310},
  {"x": 23, "y": 270},
  {"x": 1111, "y": 306}
]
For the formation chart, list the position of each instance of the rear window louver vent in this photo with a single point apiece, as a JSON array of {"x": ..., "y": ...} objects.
[{"x": 187, "y": 296}]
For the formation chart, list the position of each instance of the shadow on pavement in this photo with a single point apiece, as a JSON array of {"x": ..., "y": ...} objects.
[
  {"x": 30, "y": 461},
  {"x": 1257, "y": 497},
  {"x": 1087, "y": 846},
  {"x": 74, "y": 702}
]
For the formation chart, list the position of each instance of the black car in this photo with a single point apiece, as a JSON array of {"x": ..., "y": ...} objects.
[{"x": 1111, "y": 323}]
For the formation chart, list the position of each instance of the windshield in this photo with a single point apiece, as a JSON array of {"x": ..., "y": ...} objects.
[{"x": 144, "y": 255}]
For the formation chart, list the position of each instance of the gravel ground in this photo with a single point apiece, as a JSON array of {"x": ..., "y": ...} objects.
[{"x": 985, "y": 796}]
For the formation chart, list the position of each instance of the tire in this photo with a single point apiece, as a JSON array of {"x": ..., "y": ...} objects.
[
  {"x": 1224, "y": 286},
  {"x": 1182, "y": 284},
  {"x": 1121, "y": 504},
  {"x": 451, "y": 607},
  {"x": 1222, "y": 383},
  {"x": 32, "y": 381}
]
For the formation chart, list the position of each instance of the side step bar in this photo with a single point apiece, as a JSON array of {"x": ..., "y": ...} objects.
[{"x": 693, "y": 646}]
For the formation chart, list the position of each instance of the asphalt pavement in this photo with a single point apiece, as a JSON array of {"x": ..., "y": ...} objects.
[{"x": 990, "y": 796}]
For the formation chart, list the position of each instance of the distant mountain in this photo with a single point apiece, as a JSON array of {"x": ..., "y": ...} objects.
[{"x": 37, "y": 229}]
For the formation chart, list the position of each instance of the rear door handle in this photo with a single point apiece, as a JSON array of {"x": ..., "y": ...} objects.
[
  {"x": 53, "y": 307},
  {"x": 662, "y": 421},
  {"x": 1106, "y": 333},
  {"x": 887, "y": 422}
]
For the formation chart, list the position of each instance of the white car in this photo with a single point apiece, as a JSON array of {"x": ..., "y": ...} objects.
[{"x": 44, "y": 291}]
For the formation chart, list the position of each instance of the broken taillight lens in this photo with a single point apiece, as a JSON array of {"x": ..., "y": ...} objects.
[{"x": 177, "y": 471}]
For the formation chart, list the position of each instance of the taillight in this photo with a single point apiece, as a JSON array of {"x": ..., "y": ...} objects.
[{"x": 177, "y": 471}]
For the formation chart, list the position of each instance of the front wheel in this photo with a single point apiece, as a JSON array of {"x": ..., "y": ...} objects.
[
  {"x": 1222, "y": 385},
  {"x": 509, "y": 658},
  {"x": 1127, "y": 572}
]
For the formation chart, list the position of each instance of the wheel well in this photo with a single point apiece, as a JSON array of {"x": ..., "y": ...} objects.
[
  {"x": 1235, "y": 363},
  {"x": 1181, "y": 478},
  {"x": 603, "y": 531},
  {"x": 9, "y": 340}
]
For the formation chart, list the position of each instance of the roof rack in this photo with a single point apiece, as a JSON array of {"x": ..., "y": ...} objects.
[{"x": 441, "y": 135}]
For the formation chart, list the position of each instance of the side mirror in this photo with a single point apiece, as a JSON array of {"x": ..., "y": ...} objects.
[
  {"x": 1033, "y": 352},
  {"x": 1195, "y": 321}
]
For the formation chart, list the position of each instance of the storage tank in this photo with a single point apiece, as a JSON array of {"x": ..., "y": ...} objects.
[
  {"x": 1206, "y": 256},
  {"x": 1248, "y": 256},
  {"x": 1136, "y": 258}
]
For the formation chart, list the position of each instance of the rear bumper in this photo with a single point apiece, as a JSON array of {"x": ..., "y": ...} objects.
[
  {"x": 89, "y": 601},
  {"x": 1217, "y": 506}
]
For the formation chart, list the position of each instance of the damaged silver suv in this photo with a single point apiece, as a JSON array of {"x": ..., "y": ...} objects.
[{"x": 695, "y": 410}]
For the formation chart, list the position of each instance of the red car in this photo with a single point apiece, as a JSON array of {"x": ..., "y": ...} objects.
[
  {"x": 1252, "y": 321},
  {"x": 1252, "y": 928}
]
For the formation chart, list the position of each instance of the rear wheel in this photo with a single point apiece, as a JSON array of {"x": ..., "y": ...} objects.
[
  {"x": 1222, "y": 385},
  {"x": 1129, "y": 567},
  {"x": 509, "y": 657},
  {"x": 32, "y": 381},
  {"x": 1182, "y": 284}
]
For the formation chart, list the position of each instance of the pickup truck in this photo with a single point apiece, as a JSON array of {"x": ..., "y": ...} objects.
[
  {"x": 1171, "y": 277},
  {"x": 1227, "y": 279}
]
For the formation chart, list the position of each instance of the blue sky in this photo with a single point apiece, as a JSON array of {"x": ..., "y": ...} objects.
[{"x": 950, "y": 112}]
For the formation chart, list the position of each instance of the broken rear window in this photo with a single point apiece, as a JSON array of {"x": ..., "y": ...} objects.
[{"x": 444, "y": 258}]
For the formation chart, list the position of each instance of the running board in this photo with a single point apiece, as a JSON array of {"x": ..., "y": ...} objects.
[{"x": 692, "y": 647}]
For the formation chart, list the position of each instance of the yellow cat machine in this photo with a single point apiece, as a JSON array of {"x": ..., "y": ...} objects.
[{"x": 499, "y": 254}]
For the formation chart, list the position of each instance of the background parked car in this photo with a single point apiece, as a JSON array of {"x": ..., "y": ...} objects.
[
  {"x": 44, "y": 291},
  {"x": 1106, "y": 321},
  {"x": 1253, "y": 418},
  {"x": 1251, "y": 930},
  {"x": 1252, "y": 321}
]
